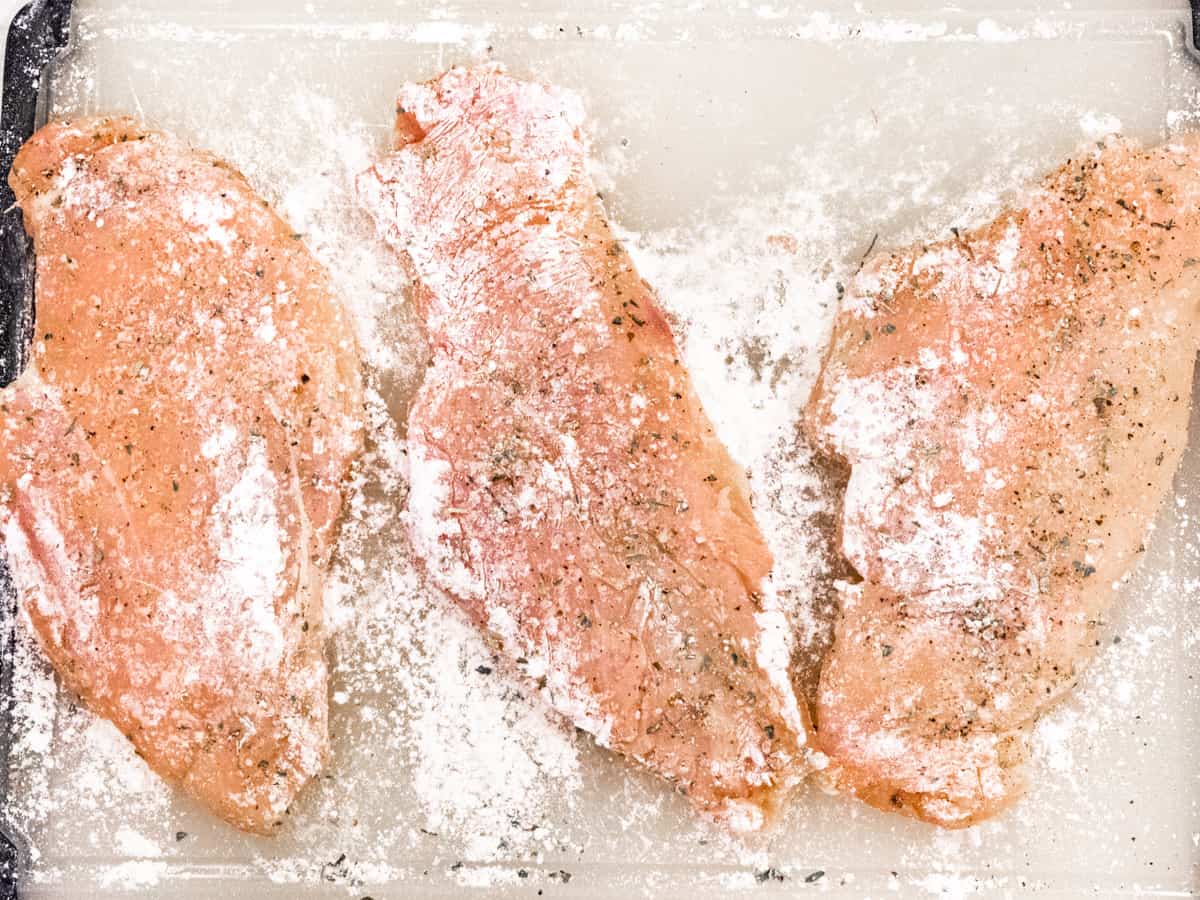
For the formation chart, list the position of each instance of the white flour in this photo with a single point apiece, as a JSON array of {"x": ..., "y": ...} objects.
[{"x": 447, "y": 769}]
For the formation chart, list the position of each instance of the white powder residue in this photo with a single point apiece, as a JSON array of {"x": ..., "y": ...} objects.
[
  {"x": 471, "y": 777},
  {"x": 66, "y": 759},
  {"x": 219, "y": 442},
  {"x": 133, "y": 875},
  {"x": 825, "y": 27},
  {"x": 949, "y": 885},
  {"x": 488, "y": 759},
  {"x": 449, "y": 772},
  {"x": 1098, "y": 126},
  {"x": 755, "y": 317},
  {"x": 441, "y": 33},
  {"x": 131, "y": 843},
  {"x": 431, "y": 526},
  {"x": 433, "y": 31},
  {"x": 1051, "y": 741},
  {"x": 753, "y": 297},
  {"x": 774, "y": 657},
  {"x": 207, "y": 214},
  {"x": 245, "y": 529},
  {"x": 991, "y": 30}
]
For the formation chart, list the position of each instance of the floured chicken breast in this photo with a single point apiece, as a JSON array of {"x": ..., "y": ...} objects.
[
  {"x": 1012, "y": 402},
  {"x": 567, "y": 488},
  {"x": 172, "y": 461}
]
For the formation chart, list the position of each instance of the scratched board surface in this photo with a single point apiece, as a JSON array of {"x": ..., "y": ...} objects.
[{"x": 716, "y": 129}]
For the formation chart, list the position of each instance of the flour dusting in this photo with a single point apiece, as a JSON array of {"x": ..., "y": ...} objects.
[{"x": 449, "y": 770}]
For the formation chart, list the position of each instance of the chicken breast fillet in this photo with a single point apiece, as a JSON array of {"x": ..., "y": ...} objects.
[
  {"x": 1012, "y": 402},
  {"x": 172, "y": 461},
  {"x": 567, "y": 488}
]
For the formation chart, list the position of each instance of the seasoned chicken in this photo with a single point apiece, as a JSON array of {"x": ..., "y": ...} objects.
[
  {"x": 567, "y": 488},
  {"x": 1012, "y": 402},
  {"x": 172, "y": 460}
]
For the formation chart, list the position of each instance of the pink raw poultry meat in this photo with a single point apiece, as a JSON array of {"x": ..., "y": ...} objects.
[
  {"x": 172, "y": 460},
  {"x": 1012, "y": 401},
  {"x": 567, "y": 488}
]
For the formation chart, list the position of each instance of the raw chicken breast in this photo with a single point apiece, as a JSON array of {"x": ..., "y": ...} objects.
[
  {"x": 1012, "y": 402},
  {"x": 567, "y": 488},
  {"x": 172, "y": 461}
]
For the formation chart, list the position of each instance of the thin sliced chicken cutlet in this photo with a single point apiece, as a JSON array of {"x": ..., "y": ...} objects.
[
  {"x": 567, "y": 488},
  {"x": 172, "y": 460},
  {"x": 1012, "y": 402}
]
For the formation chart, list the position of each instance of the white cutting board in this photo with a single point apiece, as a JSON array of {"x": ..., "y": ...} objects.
[{"x": 715, "y": 125}]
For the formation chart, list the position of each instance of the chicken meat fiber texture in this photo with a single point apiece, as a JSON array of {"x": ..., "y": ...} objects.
[
  {"x": 1012, "y": 402},
  {"x": 172, "y": 460},
  {"x": 568, "y": 490}
]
